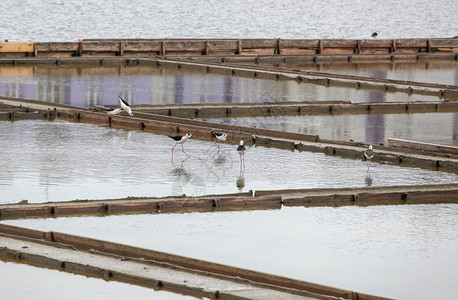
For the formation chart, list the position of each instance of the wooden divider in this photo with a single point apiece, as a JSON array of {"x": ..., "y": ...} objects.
[
  {"x": 206, "y": 47},
  {"x": 422, "y": 146},
  {"x": 85, "y": 244}
]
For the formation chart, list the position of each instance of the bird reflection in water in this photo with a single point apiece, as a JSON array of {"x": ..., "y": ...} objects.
[
  {"x": 180, "y": 171},
  {"x": 119, "y": 134},
  {"x": 368, "y": 179}
]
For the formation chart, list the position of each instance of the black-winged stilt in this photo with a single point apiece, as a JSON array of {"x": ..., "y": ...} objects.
[
  {"x": 112, "y": 112},
  {"x": 180, "y": 139},
  {"x": 369, "y": 154},
  {"x": 221, "y": 137},
  {"x": 125, "y": 106},
  {"x": 241, "y": 150},
  {"x": 374, "y": 34}
]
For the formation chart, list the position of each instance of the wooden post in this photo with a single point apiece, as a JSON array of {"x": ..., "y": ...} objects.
[
  {"x": 162, "y": 50},
  {"x": 121, "y": 48},
  {"x": 428, "y": 45},
  {"x": 239, "y": 47},
  {"x": 80, "y": 47},
  {"x": 35, "y": 50},
  {"x": 207, "y": 48},
  {"x": 393, "y": 49},
  {"x": 320, "y": 47},
  {"x": 279, "y": 46},
  {"x": 358, "y": 46}
]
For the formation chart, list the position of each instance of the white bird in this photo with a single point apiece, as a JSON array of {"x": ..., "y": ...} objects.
[
  {"x": 369, "y": 154},
  {"x": 241, "y": 150},
  {"x": 125, "y": 106},
  {"x": 221, "y": 137},
  {"x": 180, "y": 139},
  {"x": 112, "y": 112}
]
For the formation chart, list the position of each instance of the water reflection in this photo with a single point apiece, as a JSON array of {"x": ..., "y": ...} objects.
[
  {"x": 438, "y": 128},
  {"x": 55, "y": 161},
  {"x": 375, "y": 124},
  {"x": 368, "y": 179},
  {"x": 88, "y": 86}
]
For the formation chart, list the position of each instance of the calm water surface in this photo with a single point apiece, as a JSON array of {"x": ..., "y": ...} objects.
[
  {"x": 403, "y": 252},
  {"x": 88, "y": 86},
  {"x": 437, "y": 128},
  {"x": 52, "y": 21},
  {"x": 21, "y": 281},
  {"x": 54, "y": 161}
]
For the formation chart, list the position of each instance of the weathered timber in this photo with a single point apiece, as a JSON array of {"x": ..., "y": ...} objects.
[
  {"x": 322, "y": 78},
  {"x": 76, "y": 254},
  {"x": 269, "y": 138},
  {"x": 263, "y": 199},
  {"x": 422, "y": 146},
  {"x": 155, "y": 47}
]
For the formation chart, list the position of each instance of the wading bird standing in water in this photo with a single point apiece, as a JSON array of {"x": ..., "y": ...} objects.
[
  {"x": 125, "y": 106},
  {"x": 180, "y": 139},
  {"x": 221, "y": 137},
  {"x": 369, "y": 154},
  {"x": 112, "y": 112},
  {"x": 241, "y": 150}
]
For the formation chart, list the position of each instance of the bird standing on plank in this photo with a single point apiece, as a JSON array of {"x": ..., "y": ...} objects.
[
  {"x": 180, "y": 139},
  {"x": 125, "y": 106},
  {"x": 221, "y": 137}
]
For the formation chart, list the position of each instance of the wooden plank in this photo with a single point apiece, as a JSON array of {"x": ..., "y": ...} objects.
[
  {"x": 259, "y": 43},
  {"x": 9, "y": 47},
  {"x": 422, "y": 146},
  {"x": 57, "y": 46}
]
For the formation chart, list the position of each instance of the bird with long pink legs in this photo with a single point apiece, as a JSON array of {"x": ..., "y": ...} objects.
[
  {"x": 369, "y": 154},
  {"x": 180, "y": 139},
  {"x": 241, "y": 150},
  {"x": 110, "y": 113},
  {"x": 219, "y": 137}
]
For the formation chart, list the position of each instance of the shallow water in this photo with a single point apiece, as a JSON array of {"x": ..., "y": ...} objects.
[
  {"x": 403, "y": 252},
  {"x": 54, "y": 161},
  {"x": 51, "y": 21},
  {"x": 21, "y": 281},
  {"x": 433, "y": 71},
  {"x": 88, "y": 86},
  {"x": 436, "y": 128}
]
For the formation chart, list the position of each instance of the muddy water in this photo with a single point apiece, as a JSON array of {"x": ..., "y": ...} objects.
[
  {"x": 437, "y": 128},
  {"x": 27, "y": 282},
  {"x": 54, "y": 161},
  {"x": 403, "y": 252},
  {"x": 88, "y": 86}
]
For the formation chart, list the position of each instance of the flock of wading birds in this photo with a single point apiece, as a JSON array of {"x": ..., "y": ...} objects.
[{"x": 218, "y": 136}]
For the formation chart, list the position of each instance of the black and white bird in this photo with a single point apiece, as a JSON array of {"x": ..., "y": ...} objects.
[
  {"x": 369, "y": 154},
  {"x": 219, "y": 137},
  {"x": 112, "y": 112},
  {"x": 125, "y": 106},
  {"x": 241, "y": 150},
  {"x": 180, "y": 139},
  {"x": 374, "y": 35}
]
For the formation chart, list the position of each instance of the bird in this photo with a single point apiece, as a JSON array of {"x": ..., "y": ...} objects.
[
  {"x": 374, "y": 34},
  {"x": 180, "y": 139},
  {"x": 221, "y": 137},
  {"x": 125, "y": 106},
  {"x": 241, "y": 150},
  {"x": 369, "y": 154},
  {"x": 112, "y": 112}
]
